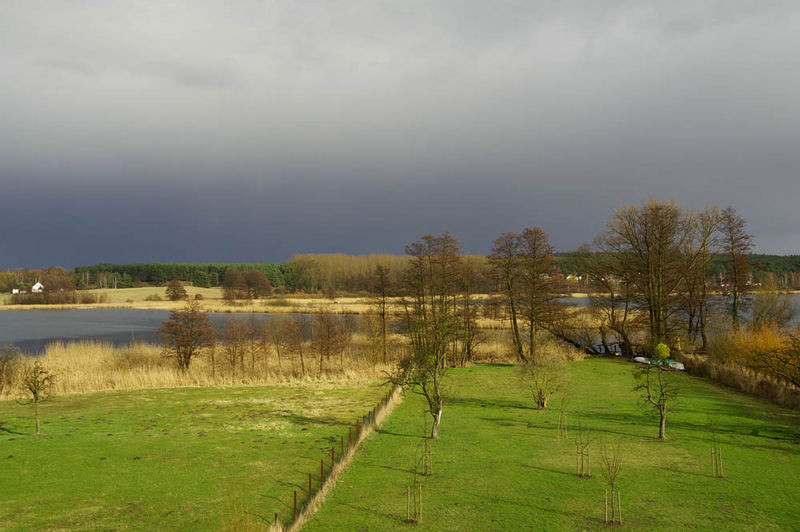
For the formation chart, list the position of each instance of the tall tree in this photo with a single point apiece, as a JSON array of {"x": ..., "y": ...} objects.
[
  {"x": 530, "y": 280},
  {"x": 431, "y": 319},
  {"x": 186, "y": 333},
  {"x": 649, "y": 240},
  {"x": 612, "y": 291},
  {"x": 699, "y": 248},
  {"x": 737, "y": 244},
  {"x": 505, "y": 259},
  {"x": 382, "y": 287}
]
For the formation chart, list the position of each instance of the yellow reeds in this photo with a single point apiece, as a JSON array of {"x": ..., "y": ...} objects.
[{"x": 89, "y": 366}]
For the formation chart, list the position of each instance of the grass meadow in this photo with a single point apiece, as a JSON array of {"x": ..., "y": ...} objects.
[
  {"x": 169, "y": 459},
  {"x": 499, "y": 464}
]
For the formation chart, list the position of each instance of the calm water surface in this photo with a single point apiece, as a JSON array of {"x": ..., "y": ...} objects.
[{"x": 31, "y": 330}]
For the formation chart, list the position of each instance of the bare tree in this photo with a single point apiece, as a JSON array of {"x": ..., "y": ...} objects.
[
  {"x": 295, "y": 334},
  {"x": 699, "y": 248},
  {"x": 610, "y": 467},
  {"x": 648, "y": 241},
  {"x": 186, "y": 333},
  {"x": 612, "y": 292},
  {"x": 234, "y": 343},
  {"x": 543, "y": 377},
  {"x": 37, "y": 384},
  {"x": 431, "y": 319},
  {"x": 531, "y": 283},
  {"x": 382, "y": 287},
  {"x": 737, "y": 244},
  {"x": 656, "y": 386},
  {"x": 330, "y": 338}
]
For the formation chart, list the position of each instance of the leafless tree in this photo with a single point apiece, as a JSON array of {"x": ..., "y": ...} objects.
[
  {"x": 234, "y": 343},
  {"x": 531, "y": 283},
  {"x": 648, "y": 240},
  {"x": 186, "y": 333},
  {"x": 657, "y": 386},
  {"x": 431, "y": 319},
  {"x": 543, "y": 377},
  {"x": 737, "y": 244},
  {"x": 330, "y": 338},
  {"x": 37, "y": 384}
]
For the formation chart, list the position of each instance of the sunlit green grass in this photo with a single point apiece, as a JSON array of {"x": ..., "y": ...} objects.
[
  {"x": 499, "y": 465},
  {"x": 170, "y": 459}
]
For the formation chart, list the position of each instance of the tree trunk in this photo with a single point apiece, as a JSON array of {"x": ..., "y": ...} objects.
[
  {"x": 662, "y": 427},
  {"x": 36, "y": 416},
  {"x": 437, "y": 419}
]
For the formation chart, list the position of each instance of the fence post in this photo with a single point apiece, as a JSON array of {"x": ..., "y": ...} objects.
[
  {"x": 295, "y": 507},
  {"x": 408, "y": 504},
  {"x": 309, "y": 486},
  {"x": 321, "y": 472}
]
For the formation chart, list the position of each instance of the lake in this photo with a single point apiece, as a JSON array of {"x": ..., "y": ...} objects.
[{"x": 31, "y": 330}]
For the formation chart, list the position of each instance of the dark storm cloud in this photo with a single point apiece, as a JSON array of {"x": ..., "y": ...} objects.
[{"x": 251, "y": 130}]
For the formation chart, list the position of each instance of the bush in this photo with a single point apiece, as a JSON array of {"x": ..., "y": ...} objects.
[{"x": 153, "y": 297}]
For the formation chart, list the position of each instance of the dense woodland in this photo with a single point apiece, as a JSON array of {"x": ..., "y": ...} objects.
[{"x": 344, "y": 274}]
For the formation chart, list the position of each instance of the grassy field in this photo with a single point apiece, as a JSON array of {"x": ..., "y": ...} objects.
[
  {"x": 212, "y": 301},
  {"x": 499, "y": 465},
  {"x": 168, "y": 459}
]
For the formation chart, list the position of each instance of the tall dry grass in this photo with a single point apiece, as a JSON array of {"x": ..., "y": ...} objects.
[
  {"x": 733, "y": 359},
  {"x": 90, "y": 366}
]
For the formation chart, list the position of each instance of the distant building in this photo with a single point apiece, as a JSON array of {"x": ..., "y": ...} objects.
[{"x": 38, "y": 288}]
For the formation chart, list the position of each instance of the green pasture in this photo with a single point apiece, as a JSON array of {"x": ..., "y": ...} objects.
[
  {"x": 170, "y": 459},
  {"x": 499, "y": 464}
]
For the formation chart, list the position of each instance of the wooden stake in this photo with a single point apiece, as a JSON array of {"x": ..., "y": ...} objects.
[
  {"x": 619, "y": 505},
  {"x": 276, "y": 519},
  {"x": 419, "y": 518},
  {"x": 349, "y": 437},
  {"x": 342, "y": 441},
  {"x": 605, "y": 496},
  {"x": 321, "y": 472},
  {"x": 295, "y": 507},
  {"x": 333, "y": 457},
  {"x": 309, "y": 486},
  {"x": 719, "y": 455},
  {"x": 408, "y": 504}
]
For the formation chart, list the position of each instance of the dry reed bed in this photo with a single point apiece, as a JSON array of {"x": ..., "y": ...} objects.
[
  {"x": 90, "y": 366},
  {"x": 742, "y": 378}
]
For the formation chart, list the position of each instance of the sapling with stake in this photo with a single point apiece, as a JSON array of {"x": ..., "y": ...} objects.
[
  {"x": 583, "y": 439},
  {"x": 610, "y": 466}
]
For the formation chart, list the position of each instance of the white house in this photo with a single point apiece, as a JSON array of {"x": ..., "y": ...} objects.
[{"x": 37, "y": 288}]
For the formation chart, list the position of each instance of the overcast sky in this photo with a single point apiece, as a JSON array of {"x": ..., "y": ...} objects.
[{"x": 199, "y": 130}]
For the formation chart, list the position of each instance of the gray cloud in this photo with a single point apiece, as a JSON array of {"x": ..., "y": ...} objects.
[{"x": 524, "y": 112}]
